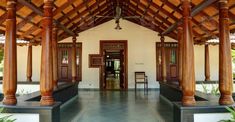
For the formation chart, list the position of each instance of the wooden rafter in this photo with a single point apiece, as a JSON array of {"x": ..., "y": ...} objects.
[
  {"x": 73, "y": 11},
  {"x": 195, "y": 11},
  {"x": 40, "y": 12}
]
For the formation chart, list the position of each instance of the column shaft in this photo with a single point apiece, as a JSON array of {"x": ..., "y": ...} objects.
[
  {"x": 207, "y": 63},
  {"x": 74, "y": 64},
  {"x": 225, "y": 62},
  {"x": 55, "y": 56},
  {"x": 46, "y": 80},
  {"x": 188, "y": 79},
  {"x": 163, "y": 59},
  {"x": 180, "y": 54},
  {"x": 10, "y": 56}
]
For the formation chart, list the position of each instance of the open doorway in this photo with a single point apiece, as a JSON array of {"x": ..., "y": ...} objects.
[
  {"x": 113, "y": 60},
  {"x": 113, "y": 75}
]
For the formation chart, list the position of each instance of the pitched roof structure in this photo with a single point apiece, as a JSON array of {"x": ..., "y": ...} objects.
[{"x": 74, "y": 16}]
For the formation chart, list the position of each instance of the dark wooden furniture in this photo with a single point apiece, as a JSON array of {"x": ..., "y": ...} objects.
[{"x": 141, "y": 78}]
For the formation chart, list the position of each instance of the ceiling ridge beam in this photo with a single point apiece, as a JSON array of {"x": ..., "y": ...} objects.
[
  {"x": 197, "y": 9},
  {"x": 40, "y": 12}
]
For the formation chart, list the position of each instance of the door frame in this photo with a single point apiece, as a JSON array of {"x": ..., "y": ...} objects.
[{"x": 101, "y": 74}]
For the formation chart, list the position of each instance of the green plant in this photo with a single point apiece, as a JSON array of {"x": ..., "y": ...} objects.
[
  {"x": 205, "y": 89},
  {"x": 213, "y": 91},
  {"x": 5, "y": 118},
  {"x": 232, "y": 112}
]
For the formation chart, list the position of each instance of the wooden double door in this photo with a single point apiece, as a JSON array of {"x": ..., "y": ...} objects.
[
  {"x": 65, "y": 61},
  {"x": 171, "y": 54},
  {"x": 113, "y": 75}
]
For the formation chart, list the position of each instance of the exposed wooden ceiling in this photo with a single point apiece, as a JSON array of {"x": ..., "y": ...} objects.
[{"x": 74, "y": 16}]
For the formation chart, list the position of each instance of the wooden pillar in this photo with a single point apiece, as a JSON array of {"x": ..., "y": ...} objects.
[
  {"x": 55, "y": 56},
  {"x": 74, "y": 64},
  {"x": 225, "y": 62},
  {"x": 46, "y": 80},
  {"x": 207, "y": 63},
  {"x": 10, "y": 62},
  {"x": 29, "y": 63},
  {"x": 163, "y": 58},
  {"x": 180, "y": 52},
  {"x": 188, "y": 79}
]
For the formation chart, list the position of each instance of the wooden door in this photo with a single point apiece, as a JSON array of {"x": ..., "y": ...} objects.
[
  {"x": 116, "y": 46},
  {"x": 172, "y": 68},
  {"x": 171, "y": 61},
  {"x": 64, "y": 67},
  {"x": 65, "y": 61}
]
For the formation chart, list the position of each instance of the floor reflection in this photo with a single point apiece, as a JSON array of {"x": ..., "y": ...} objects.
[{"x": 116, "y": 106}]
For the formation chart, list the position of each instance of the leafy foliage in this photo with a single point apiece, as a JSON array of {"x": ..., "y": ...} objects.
[
  {"x": 213, "y": 91},
  {"x": 6, "y": 118},
  {"x": 232, "y": 112}
]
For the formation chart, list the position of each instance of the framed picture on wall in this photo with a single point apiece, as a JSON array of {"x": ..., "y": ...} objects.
[{"x": 95, "y": 60}]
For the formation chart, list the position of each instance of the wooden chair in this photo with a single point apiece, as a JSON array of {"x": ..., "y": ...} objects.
[{"x": 141, "y": 78}]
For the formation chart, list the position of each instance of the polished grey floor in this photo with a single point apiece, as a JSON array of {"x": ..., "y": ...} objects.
[{"x": 117, "y": 106}]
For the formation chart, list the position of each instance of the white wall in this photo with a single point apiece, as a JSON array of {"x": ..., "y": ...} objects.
[
  {"x": 141, "y": 50},
  {"x": 141, "y": 54},
  {"x": 22, "y": 52},
  {"x": 199, "y": 58}
]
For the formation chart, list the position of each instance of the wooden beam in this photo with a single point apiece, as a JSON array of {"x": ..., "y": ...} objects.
[
  {"x": 25, "y": 20},
  {"x": 64, "y": 6},
  {"x": 95, "y": 12},
  {"x": 82, "y": 27},
  {"x": 195, "y": 11},
  {"x": 73, "y": 11},
  {"x": 39, "y": 12},
  {"x": 202, "y": 6}
]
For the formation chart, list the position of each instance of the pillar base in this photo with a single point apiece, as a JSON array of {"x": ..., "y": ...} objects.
[
  {"x": 29, "y": 79},
  {"x": 164, "y": 80},
  {"x": 226, "y": 100},
  {"x": 188, "y": 100},
  {"x": 207, "y": 79},
  {"x": 74, "y": 79},
  {"x": 9, "y": 100},
  {"x": 55, "y": 86},
  {"x": 47, "y": 100}
]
